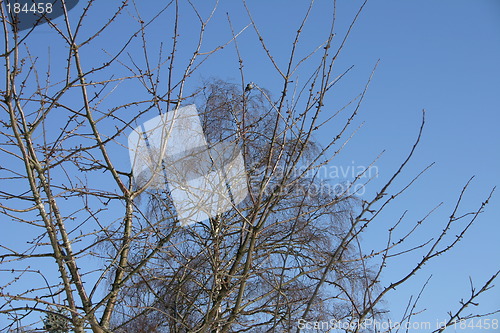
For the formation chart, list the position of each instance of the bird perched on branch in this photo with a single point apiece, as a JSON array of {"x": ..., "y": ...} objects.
[{"x": 249, "y": 87}]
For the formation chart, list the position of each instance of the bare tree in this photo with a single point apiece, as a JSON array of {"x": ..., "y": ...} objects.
[{"x": 106, "y": 250}]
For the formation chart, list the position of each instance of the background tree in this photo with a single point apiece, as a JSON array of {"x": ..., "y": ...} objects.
[
  {"x": 107, "y": 255},
  {"x": 257, "y": 265}
]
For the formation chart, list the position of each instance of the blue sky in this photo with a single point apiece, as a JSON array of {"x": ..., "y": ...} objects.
[
  {"x": 442, "y": 57},
  {"x": 439, "y": 56}
]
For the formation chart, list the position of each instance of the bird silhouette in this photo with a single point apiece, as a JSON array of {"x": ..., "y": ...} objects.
[{"x": 249, "y": 87}]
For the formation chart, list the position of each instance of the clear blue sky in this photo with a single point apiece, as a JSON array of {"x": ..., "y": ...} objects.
[{"x": 441, "y": 56}]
